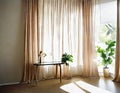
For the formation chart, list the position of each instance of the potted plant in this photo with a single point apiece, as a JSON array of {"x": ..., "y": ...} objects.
[
  {"x": 66, "y": 58},
  {"x": 107, "y": 54}
]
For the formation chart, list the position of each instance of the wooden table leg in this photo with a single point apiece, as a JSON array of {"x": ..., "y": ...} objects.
[
  {"x": 60, "y": 73},
  {"x": 36, "y": 74},
  {"x": 56, "y": 71}
]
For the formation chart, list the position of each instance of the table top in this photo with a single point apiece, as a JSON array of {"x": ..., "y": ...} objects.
[{"x": 48, "y": 63}]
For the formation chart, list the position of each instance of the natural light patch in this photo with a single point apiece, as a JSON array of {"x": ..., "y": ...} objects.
[
  {"x": 82, "y": 87},
  {"x": 90, "y": 88},
  {"x": 72, "y": 88}
]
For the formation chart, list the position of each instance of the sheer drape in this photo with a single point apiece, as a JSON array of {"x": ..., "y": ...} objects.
[
  {"x": 31, "y": 37},
  {"x": 89, "y": 65},
  {"x": 60, "y": 30},
  {"x": 117, "y": 58},
  {"x": 64, "y": 26}
]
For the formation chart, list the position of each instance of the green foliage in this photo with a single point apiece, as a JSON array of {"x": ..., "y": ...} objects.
[
  {"x": 107, "y": 53},
  {"x": 67, "y": 58}
]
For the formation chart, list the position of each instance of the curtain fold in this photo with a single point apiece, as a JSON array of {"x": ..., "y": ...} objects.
[
  {"x": 117, "y": 57},
  {"x": 89, "y": 65},
  {"x": 31, "y": 38}
]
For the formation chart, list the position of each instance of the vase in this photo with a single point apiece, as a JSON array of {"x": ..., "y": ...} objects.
[
  {"x": 106, "y": 72},
  {"x": 68, "y": 71},
  {"x": 40, "y": 59}
]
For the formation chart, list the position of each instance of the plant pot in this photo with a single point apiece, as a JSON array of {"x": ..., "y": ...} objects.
[
  {"x": 106, "y": 72},
  {"x": 68, "y": 72}
]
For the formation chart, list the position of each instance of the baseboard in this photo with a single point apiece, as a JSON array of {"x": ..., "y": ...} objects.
[{"x": 13, "y": 83}]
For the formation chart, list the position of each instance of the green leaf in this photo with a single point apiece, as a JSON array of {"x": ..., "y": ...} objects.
[
  {"x": 107, "y": 53},
  {"x": 67, "y": 57}
]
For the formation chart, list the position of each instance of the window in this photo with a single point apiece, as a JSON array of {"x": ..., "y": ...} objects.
[{"x": 107, "y": 27}]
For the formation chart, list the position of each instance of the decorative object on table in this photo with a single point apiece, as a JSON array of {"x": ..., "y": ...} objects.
[
  {"x": 42, "y": 54},
  {"x": 66, "y": 58},
  {"x": 107, "y": 55}
]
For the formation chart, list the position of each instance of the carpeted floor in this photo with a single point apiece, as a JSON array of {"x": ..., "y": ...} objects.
[{"x": 74, "y": 85}]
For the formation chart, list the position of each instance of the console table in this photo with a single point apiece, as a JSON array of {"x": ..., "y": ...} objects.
[{"x": 57, "y": 63}]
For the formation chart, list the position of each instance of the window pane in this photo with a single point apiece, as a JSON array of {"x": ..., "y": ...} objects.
[{"x": 107, "y": 29}]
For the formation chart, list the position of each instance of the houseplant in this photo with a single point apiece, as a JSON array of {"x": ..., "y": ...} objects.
[
  {"x": 66, "y": 58},
  {"x": 106, "y": 54}
]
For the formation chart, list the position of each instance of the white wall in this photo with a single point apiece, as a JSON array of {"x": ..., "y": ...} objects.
[{"x": 11, "y": 41}]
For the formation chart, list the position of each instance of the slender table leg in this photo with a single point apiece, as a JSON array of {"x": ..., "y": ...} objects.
[
  {"x": 36, "y": 75},
  {"x": 56, "y": 71},
  {"x": 60, "y": 73}
]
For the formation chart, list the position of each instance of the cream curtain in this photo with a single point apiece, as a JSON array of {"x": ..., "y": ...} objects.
[
  {"x": 67, "y": 26},
  {"x": 61, "y": 31},
  {"x": 31, "y": 38},
  {"x": 89, "y": 65},
  {"x": 56, "y": 27},
  {"x": 117, "y": 58}
]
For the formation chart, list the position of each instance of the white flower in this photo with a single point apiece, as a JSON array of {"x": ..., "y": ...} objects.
[{"x": 41, "y": 54}]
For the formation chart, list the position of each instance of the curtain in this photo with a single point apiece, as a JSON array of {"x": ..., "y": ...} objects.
[
  {"x": 89, "y": 65},
  {"x": 31, "y": 38},
  {"x": 61, "y": 31},
  {"x": 56, "y": 27},
  {"x": 67, "y": 26},
  {"x": 117, "y": 58}
]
